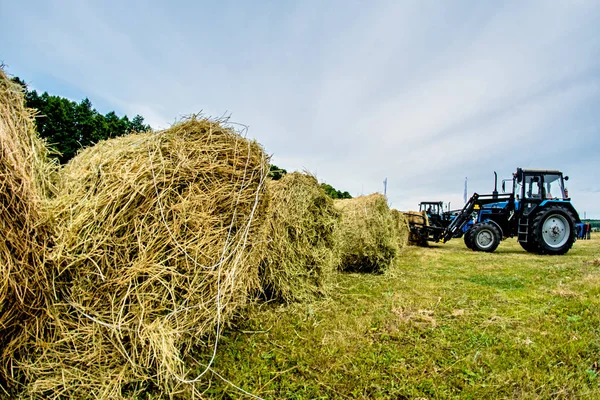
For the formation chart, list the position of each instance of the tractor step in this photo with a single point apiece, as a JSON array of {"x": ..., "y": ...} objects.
[{"x": 523, "y": 230}]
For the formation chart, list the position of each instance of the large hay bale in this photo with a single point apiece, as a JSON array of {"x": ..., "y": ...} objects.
[
  {"x": 297, "y": 258},
  {"x": 416, "y": 221},
  {"x": 416, "y": 217},
  {"x": 154, "y": 232},
  {"x": 367, "y": 236},
  {"x": 24, "y": 184},
  {"x": 402, "y": 228}
]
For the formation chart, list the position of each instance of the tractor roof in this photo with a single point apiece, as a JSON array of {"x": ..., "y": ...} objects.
[{"x": 540, "y": 171}]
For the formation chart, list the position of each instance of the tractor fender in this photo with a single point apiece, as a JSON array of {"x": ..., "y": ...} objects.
[
  {"x": 497, "y": 226},
  {"x": 562, "y": 203}
]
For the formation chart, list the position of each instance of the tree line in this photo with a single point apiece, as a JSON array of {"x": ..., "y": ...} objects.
[{"x": 69, "y": 126}]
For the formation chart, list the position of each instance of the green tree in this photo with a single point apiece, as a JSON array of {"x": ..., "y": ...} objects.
[
  {"x": 56, "y": 122},
  {"x": 137, "y": 124},
  {"x": 85, "y": 123},
  {"x": 334, "y": 193},
  {"x": 69, "y": 126},
  {"x": 276, "y": 173}
]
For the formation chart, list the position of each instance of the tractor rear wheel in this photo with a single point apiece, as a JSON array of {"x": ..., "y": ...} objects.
[
  {"x": 553, "y": 230},
  {"x": 485, "y": 237},
  {"x": 530, "y": 246}
]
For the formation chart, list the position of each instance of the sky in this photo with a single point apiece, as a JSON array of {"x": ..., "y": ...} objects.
[{"x": 423, "y": 93}]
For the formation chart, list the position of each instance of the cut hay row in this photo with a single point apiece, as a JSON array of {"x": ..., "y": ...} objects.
[
  {"x": 25, "y": 174},
  {"x": 153, "y": 238},
  {"x": 367, "y": 238},
  {"x": 118, "y": 281},
  {"x": 296, "y": 257}
]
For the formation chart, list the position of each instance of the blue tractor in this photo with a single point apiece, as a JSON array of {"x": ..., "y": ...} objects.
[
  {"x": 438, "y": 218},
  {"x": 538, "y": 212}
]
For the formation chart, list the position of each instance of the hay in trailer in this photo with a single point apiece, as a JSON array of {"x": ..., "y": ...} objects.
[
  {"x": 154, "y": 232},
  {"x": 402, "y": 228},
  {"x": 296, "y": 258},
  {"x": 416, "y": 220},
  {"x": 367, "y": 236},
  {"x": 25, "y": 172}
]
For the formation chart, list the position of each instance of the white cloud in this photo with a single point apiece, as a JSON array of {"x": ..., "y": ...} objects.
[{"x": 424, "y": 93}]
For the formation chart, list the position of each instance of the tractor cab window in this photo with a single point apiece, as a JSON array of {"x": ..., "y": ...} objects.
[
  {"x": 430, "y": 208},
  {"x": 553, "y": 187},
  {"x": 533, "y": 187},
  {"x": 517, "y": 189}
]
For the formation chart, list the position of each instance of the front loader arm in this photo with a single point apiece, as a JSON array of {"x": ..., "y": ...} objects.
[{"x": 461, "y": 219}]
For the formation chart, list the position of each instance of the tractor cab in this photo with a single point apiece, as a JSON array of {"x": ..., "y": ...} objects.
[
  {"x": 431, "y": 207},
  {"x": 435, "y": 213},
  {"x": 537, "y": 187},
  {"x": 535, "y": 184}
]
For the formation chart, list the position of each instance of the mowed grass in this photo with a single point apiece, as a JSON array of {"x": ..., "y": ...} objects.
[{"x": 444, "y": 322}]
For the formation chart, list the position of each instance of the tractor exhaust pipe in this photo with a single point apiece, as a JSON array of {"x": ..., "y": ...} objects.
[{"x": 495, "y": 192}]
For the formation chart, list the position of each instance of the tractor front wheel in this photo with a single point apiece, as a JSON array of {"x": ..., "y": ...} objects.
[
  {"x": 468, "y": 238},
  {"x": 554, "y": 230},
  {"x": 485, "y": 237}
]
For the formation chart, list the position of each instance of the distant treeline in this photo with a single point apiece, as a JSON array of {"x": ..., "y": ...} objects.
[
  {"x": 277, "y": 173},
  {"x": 69, "y": 126}
]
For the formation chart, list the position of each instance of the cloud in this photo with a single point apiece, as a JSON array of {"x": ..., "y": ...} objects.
[{"x": 424, "y": 93}]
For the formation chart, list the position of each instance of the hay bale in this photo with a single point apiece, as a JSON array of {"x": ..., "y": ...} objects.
[
  {"x": 297, "y": 259},
  {"x": 416, "y": 220},
  {"x": 154, "y": 232},
  {"x": 25, "y": 172},
  {"x": 367, "y": 236},
  {"x": 402, "y": 228},
  {"x": 416, "y": 217}
]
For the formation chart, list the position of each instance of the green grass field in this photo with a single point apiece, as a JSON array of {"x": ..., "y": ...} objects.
[{"x": 444, "y": 322}]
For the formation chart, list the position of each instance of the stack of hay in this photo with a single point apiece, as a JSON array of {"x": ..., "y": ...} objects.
[
  {"x": 416, "y": 219},
  {"x": 368, "y": 235},
  {"x": 297, "y": 259},
  {"x": 402, "y": 228},
  {"x": 24, "y": 184},
  {"x": 154, "y": 231}
]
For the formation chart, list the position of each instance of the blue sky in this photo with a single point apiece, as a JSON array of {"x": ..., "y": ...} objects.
[{"x": 424, "y": 93}]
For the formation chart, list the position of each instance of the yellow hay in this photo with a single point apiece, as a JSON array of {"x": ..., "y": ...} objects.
[
  {"x": 416, "y": 219},
  {"x": 153, "y": 236},
  {"x": 367, "y": 237},
  {"x": 25, "y": 173},
  {"x": 402, "y": 228},
  {"x": 296, "y": 259}
]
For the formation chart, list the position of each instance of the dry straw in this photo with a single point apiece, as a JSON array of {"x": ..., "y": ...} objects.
[
  {"x": 25, "y": 173},
  {"x": 297, "y": 258},
  {"x": 154, "y": 232},
  {"x": 368, "y": 234},
  {"x": 416, "y": 220},
  {"x": 402, "y": 228}
]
